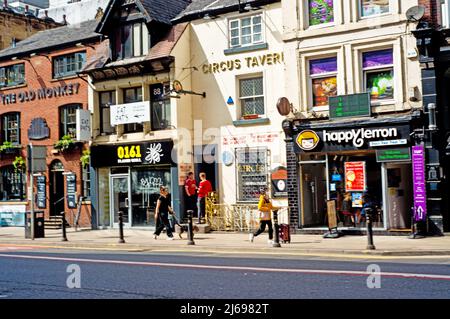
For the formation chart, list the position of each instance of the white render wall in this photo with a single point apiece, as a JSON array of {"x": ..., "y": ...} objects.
[{"x": 75, "y": 12}]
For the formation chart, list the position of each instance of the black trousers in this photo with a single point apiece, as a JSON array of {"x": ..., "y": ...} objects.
[
  {"x": 163, "y": 222},
  {"x": 191, "y": 204},
  {"x": 262, "y": 228}
]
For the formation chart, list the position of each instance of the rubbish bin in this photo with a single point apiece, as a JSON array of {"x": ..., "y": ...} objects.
[{"x": 39, "y": 231}]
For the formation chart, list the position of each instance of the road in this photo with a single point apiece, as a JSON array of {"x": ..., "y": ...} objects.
[{"x": 46, "y": 274}]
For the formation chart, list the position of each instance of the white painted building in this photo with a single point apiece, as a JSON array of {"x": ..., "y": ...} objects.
[{"x": 75, "y": 11}]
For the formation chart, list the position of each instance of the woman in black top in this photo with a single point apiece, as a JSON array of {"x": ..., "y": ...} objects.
[{"x": 162, "y": 213}]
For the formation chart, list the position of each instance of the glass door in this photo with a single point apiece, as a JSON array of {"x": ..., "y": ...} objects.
[{"x": 120, "y": 199}]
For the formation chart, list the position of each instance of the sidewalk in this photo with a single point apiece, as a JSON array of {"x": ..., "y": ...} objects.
[{"x": 231, "y": 243}]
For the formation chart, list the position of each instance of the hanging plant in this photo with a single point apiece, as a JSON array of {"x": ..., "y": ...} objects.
[
  {"x": 65, "y": 143},
  {"x": 85, "y": 158},
  {"x": 19, "y": 164}
]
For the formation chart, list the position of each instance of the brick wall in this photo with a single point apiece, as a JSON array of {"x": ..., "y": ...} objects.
[
  {"x": 432, "y": 11},
  {"x": 292, "y": 184}
]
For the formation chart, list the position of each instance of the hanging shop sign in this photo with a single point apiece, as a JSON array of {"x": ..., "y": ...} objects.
[
  {"x": 279, "y": 182},
  {"x": 129, "y": 113},
  {"x": 146, "y": 153},
  {"x": 249, "y": 62},
  {"x": 40, "y": 94},
  {"x": 393, "y": 155},
  {"x": 355, "y": 176},
  {"x": 83, "y": 126},
  {"x": 420, "y": 196}
]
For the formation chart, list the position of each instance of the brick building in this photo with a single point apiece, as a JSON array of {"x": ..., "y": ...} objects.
[
  {"x": 40, "y": 93},
  {"x": 16, "y": 26}
]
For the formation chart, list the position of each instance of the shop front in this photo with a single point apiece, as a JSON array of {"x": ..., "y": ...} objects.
[
  {"x": 129, "y": 177},
  {"x": 355, "y": 162}
]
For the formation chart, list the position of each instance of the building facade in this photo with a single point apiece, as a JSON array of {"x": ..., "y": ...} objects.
[
  {"x": 356, "y": 89},
  {"x": 40, "y": 98}
]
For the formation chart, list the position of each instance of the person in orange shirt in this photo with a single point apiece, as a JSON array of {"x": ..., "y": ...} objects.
[{"x": 265, "y": 208}]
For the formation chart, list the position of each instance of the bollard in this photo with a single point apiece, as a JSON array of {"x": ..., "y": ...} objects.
[
  {"x": 370, "y": 245},
  {"x": 276, "y": 242},
  {"x": 190, "y": 230},
  {"x": 63, "y": 226},
  {"x": 121, "y": 240}
]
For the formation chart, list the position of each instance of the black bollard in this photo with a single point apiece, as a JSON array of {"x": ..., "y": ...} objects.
[
  {"x": 63, "y": 226},
  {"x": 370, "y": 245},
  {"x": 276, "y": 242},
  {"x": 121, "y": 240},
  {"x": 190, "y": 230}
]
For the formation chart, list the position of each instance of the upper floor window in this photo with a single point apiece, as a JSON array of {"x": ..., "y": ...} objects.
[
  {"x": 12, "y": 75},
  {"x": 373, "y": 7},
  {"x": 68, "y": 120},
  {"x": 445, "y": 10},
  {"x": 106, "y": 100},
  {"x": 69, "y": 64},
  {"x": 131, "y": 40},
  {"x": 251, "y": 95},
  {"x": 160, "y": 100},
  {"x": 11, "y": 128},
  {"x": 323, "y": 79},
  {"x": 246, "y": 31},
  {"x": 132, "y": 95},
  {"x": 320, "y": 12},
  {"x": 378, "y": 71}
]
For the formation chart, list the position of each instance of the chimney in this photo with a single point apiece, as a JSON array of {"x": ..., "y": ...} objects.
[
  {"x": 99, "y": 14},
  {"x": 5, "y": 3},
  {"x": 46, "y": 13},
  {"x": 64, "y": 20}
]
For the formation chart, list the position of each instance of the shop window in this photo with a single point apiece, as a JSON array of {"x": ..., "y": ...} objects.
[
  {"x": 251, "y": 95},
  {"x": 161, "y": 119},
  {"x": 246, "y": 31},
  {"x": 67, "y": 65},
  {"x": 378, "y": 72},
  {"x": 323, "y": 80},
  {"x": 68, "y": 120},
  {"x": 130, "y": 96},
  {"x": 86, "y": 178},
  {"x": 251, "y": 173},
  {"x": 372, "y": 8},
  {"x": 11, "y": 128},
  {"x": 106, "y": 100},
  {"x": 321, "y": 12},
  {"x": 131, "y": 40},
  {"x": 12, "y": 75},
  {"x": 12, "y": 184}
]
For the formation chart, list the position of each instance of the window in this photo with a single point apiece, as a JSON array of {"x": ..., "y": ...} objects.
[
  {"x": 106, "y": 100},
  {"x": 378, "y": 72},
  {"x": 130, "y": 96},
  {"x": 11, "y": 128},
  {"x": 321, "y": 12},
  {"x": 370, "y": 7},
  {"x": 86, "y": 177},
  {"x": 251, "y": 173},
  {"x": 160, "y": 102},
  {"x": 251, "y": 94},
  {"x": 246, "y": 31},
  {"x": 68, "y": 120},
  {"x": 12, "y": 75},
  {"x": 131, "y": 40},
  {"x": 323, "y": 77},
  {"x": 12, "y": 184},
  {"x": 445, "y": 13},
  {"x": 67, "y": 65}
]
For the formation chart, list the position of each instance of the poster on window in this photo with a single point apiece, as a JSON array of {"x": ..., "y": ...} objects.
[
  {"x": 321, "y": 11},
  {"x": 322, "y": 89},
  {"x": 380, "y": 85},
  {"x": 355, "y": 176},
  {"x": 374, "y": 7}
]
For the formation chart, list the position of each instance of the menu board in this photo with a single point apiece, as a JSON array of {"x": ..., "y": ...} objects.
[
  {"x": 41, "y": 192},
  {"x": 71, "y": 183},
  {"x": 355, "y": 176}
]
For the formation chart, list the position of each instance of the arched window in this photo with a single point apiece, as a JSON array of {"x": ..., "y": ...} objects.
[
  {"x": 11, "y": 127},
  {"x": 68, "y": 119},
  {"x": 12, "y": 184}
]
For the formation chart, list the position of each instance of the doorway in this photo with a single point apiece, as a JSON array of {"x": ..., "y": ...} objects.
[
  {"x": 399, "y": 195},
  {"x": 120, "y": 199},
  {"x": 56, "y": 185}
]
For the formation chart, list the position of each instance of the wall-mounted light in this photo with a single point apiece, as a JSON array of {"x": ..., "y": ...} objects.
[{"x": 432, "y": 117}]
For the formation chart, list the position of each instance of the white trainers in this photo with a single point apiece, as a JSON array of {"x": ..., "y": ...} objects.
[
  {"x": 270, "y": 242},
  {"x": 169, "y": 238},
  {"x": 251, "y": 237},
  {"x": 155, "y": 237}
]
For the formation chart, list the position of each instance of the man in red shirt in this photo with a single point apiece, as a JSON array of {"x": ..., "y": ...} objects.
[
  {"x": 203, "y": 189},
  {"x": 190, "y": 188}
]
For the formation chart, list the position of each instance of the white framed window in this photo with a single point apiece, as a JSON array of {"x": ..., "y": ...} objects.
[
  {"x": 251, "y": 96},
  {"x": 445, "y": 10},
  {"x": 320, "y": 12},
  {"x": 378, "y": 75},
  {"x": 246, "y": 31},
  {"x": 323, "y": 75},
  {"x": 370, "y": 8}
]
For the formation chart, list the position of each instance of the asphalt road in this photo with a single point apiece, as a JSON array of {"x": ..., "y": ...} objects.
[{"x": 44, "y": 274}]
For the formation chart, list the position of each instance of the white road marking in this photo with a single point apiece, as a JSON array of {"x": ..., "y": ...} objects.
[{"x": 237, "y": 268}]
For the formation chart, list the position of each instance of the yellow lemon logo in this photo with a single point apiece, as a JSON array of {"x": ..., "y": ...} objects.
[{"x": 307, "y": 140}]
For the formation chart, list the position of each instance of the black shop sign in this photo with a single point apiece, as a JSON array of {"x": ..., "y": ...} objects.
[
  {"x": 145, "y": 153},
  {"x": 71, "y": 187},
  {"x": 41, "y": 196}
]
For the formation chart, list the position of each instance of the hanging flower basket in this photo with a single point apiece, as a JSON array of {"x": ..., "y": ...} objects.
[
  {"x": 66, "y": 144},
  {"x": 8, "y": 148}
]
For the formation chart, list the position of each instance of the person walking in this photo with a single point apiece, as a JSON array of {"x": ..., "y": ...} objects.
[
  {"x": 204, "y": 189},
  {"x": 190, "y": 189},
  {"x": 265, "y": 209},
  {"x": 162, "y": 211}
]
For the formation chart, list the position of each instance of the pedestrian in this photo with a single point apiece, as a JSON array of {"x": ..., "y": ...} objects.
[
  {"x": 190, "y": 189},
  {"x": 265, "y": 209},
  {"x": 162, "y": 211},
  {"x": 204, "y": 189},
  {"x": 347, "y": 208}
]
